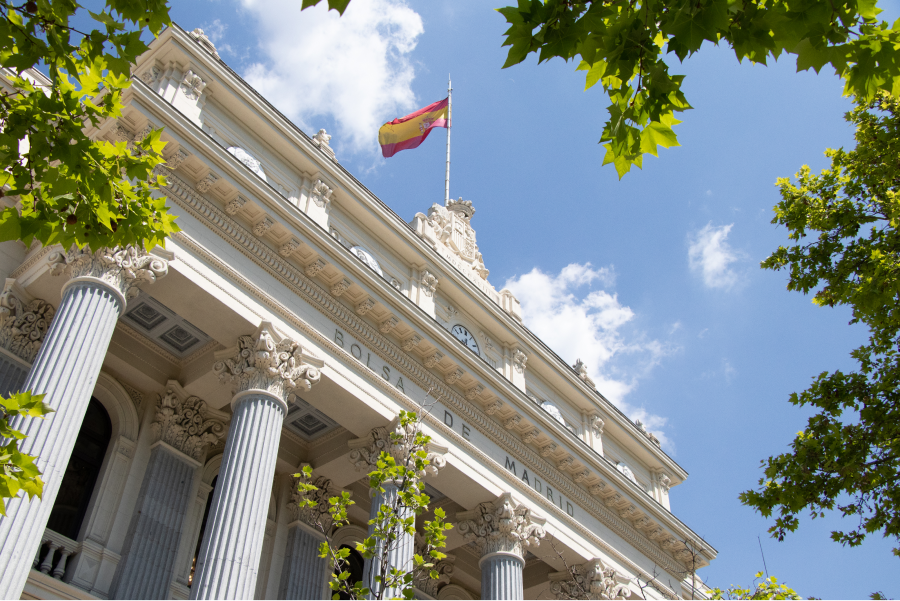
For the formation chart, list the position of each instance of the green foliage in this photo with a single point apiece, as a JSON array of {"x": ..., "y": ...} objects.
[
  {"x": 338, "y": 5},
  {"x": 763, "y": 589},
  {"x": 74, "y": 190},
  {"x": 846, "y": 249},
  {"x": 19, "y": 473},
  {"x": 624, "y": 46},
  {"x": 403, "y": 468}
]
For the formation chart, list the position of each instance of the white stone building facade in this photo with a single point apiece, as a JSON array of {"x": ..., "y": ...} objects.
[{"x": 287, "y": 324}]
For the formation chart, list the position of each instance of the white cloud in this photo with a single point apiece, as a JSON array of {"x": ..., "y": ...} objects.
[
  {"x": 590, "y": 327},
  {"x": 710, "y": 255},
  {"x": 354, "y": 68}
]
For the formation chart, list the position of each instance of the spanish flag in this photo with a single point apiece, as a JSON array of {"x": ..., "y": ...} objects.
[{"x": 411, "y": 130}]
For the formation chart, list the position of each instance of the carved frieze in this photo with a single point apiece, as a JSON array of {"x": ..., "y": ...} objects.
[
  {"x": 412, "y": 342},
  {"x": 503, "y": 525},
  {"x": 23, "y": 325},
  {"x": 531, "y": 436},
  {"x": 263, "y": 226},
  {"x": 122, "y": 268},
  {"x": 548, "y": 449},
  {"x": 512, "y": 422},
  {"x": 268, "y": 361},
  {"x": 365, "y": 306},
  {"x": 341, "y": 287},
  {"x": 453, "y": 377},
  {"x": 388, "y": 325},
  {"x": 433, "y": 359},
  {"x": 178, "y": 157},
  {"x": 206, "y": 184},
  {"x": 493, "y": 407},
  {"x": 314, "y": 268},
  {"x": 235, "y": 204},
  {"x": 288, "y": 248},
  {"x": 473, "y": 392},
  {"x": 185, "y": 425}
]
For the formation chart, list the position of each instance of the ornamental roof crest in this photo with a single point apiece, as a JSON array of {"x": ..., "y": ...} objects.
[{"x": 453, "y": 230}]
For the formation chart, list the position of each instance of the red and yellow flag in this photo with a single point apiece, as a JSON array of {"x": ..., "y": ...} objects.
[{"x": 411, "y": 130}]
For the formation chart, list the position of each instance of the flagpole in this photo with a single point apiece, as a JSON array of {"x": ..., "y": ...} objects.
[{"x": 449, "y": 123}]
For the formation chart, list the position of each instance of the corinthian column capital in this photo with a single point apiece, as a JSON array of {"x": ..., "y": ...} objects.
[
  {"x": 397, "y": 441},
  {"x": 23, "y": 322},
  {"x": 186, "y": 423},
  {"x": 590, "y": 580},
  {"x": 317, "y": 514},
  {"x": 269, "y": 362},
  {"x": 501, "y": 526},
  {"x": 121, "y": 269}
]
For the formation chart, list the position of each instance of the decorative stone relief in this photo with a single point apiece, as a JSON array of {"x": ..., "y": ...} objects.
[
  {"x": 185, "y": 425},
  {"x": 493, "y": 407},
  {"x": 450, "y": 226},
  {"x": 566, "y": 463},
  {"x": 192, "y": 85},
  {"x": 503, "y": 525},
  {"x": 122, "y": 268},
  {"x": 268, "y": 361},
  {"x": 429, "y": 283},
  {"x": 365, "y": 306},
  {"x": 341, "y": 287},
  {"x": 444, "y": 568},
  {"x": 581, "y": 369},
  {"x": 396, "y": 441},
  {"x": 591, "y": 580},
  {"x": 597, "y": 424},
  {"x": 250, "y": 161},
  {"x": 123, "y": 135},
  {"x": 582, "y": 476},
  {"x": 626, "y": 471},
  {"x": 318, "y": 514},
  {"x": 453, "y": 377},
  {"x": 548, "y": 449},
  {"x": 665, "y": 483},
  {"x": 205, "y": 184},
  {"x": 601, "y": 490},
  {"x": 288, "y": 248},
  {"x": 235, "y": 204},
  {"x": 321, "y": 140},
  {"x": 388, "y": 324},
  {"x": 412, "y": 342},
  {"x": 531, "y": 436},
  {"x": 512, "y": 422},
  {"x": 321, "y": 194},
  {"x": 434, "y": 359},
  {"x": 23, "y": 325},
  {"x": 178, "y": 157},
  {"x": 472, "y": 393},
  {"x": 519, "y": 361},
  {"x": 204, "y": 41},
  {"x": 314, "y": 268},
  {"x": 263, "y": 226},
  {"x": 151, "y": 75},
  {"x": 644, "y": 431}
]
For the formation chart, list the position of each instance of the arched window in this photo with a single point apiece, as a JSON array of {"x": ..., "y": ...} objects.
[
  {"x": 354, "y": 565},
  {"x": 81, "y": 474},
  {"x": 209, "y": 500}
]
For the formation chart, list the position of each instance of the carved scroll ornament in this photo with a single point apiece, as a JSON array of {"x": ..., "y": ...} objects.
[
  {"x": 591, "y": 580},
  {"x": 502, "y": 525},
  {"x": 267, "y": 361},
  {"x": 185, "y": 425},
  {"x": 396, "y": 441},
  {"x": 23, "y": 325},
  {"x": 122, "y": 268}
]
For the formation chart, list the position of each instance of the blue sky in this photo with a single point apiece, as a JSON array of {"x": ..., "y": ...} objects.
[{"x": 659, "y": 271}]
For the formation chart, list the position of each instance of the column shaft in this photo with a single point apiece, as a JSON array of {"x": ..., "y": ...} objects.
[
  {"x": 304, "y": 573},
  {"x": 229, "y": 557},
  {"x": 65, "y": 369},
  {"x": 148, "y": 559},
  {"x": 400, "y": 554},
  {"x": 501, "y": 576}
]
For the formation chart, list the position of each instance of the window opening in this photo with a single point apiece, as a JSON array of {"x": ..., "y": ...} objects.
[{"x": 209, "y": 501}]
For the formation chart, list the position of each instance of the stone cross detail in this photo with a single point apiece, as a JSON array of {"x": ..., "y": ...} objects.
[{"x": 501, "y": 526}]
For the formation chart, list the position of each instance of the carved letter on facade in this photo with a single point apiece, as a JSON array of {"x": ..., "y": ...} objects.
[{"x": 501, "y": 526}]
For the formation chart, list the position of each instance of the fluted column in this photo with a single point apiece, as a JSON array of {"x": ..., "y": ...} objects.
[
  {"x": 398, "y": 442},
  {"x": 264, "y": 369},
  {"x": 501, "y": 529},
  {"x": 305, "y": 574},
  {"x": 184, "y": 429},
  {"x": 65, "y": 369}
]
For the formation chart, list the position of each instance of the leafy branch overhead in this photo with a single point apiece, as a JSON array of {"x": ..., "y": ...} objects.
[
  {"x": 843, "y": 224},
  {"x": 68, "y": 188},
  {"x": 624, "y": 45}
]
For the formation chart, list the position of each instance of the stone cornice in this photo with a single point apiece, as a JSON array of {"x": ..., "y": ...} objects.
[
  {"x": 295, "y": 280},
  {"x": 362, "y": 194}
]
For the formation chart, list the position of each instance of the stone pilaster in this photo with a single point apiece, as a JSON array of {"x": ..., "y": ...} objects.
[
  {"x": 397, "y": 441},
  {"x": 501, "y": 530},
  {"x": 184, "y": 429},
  {"x": 305, "y": 574},
  {"x": 65, "y": 369},
  {"x": 590, "y": 580},
  {"x": 264, "y": 369}
]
